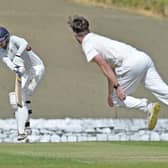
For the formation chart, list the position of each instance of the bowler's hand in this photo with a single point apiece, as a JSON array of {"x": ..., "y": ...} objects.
[
  {"x": 110, "y": 100},
  {"x": 120, "y": 93}
]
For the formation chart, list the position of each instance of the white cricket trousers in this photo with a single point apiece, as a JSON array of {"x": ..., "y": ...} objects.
[
  {"x": 139, "y": 68},
  {"x": 30, "y": 81}
]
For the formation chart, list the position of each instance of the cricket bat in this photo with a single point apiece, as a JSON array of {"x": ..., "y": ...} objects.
[{"x": 18, "y": 90}]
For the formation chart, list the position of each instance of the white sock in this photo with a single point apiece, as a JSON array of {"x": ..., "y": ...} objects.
[{"x": 21, "y": 118}]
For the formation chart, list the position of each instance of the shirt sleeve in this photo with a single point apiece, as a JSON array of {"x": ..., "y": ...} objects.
[
  {"x": 20, "y": 43},
  {"x": 89, "y": 51},
  {"x": 8, "y": 62}
]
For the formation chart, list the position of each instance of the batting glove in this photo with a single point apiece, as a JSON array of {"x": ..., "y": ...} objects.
[
  {"x": 19, "y": 70},
  {"x": 18, "y": 61}
]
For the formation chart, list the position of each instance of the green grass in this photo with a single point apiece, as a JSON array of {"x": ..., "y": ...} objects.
[{"x": 85, "y": 155}]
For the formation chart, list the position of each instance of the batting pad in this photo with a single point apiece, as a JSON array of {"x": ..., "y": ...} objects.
[{"x": 12, "y": 100}]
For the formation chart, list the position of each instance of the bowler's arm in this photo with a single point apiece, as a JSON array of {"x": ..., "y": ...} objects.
[
  {"x": 111, "y": 77},
  {"x": 106, "y": 69}
]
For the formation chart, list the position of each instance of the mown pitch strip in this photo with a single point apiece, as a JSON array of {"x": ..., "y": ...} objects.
[{"x": 85, "y": 155}]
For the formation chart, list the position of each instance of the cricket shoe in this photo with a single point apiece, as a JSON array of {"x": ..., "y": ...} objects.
[
  {"x": 22, "y": 136},
  {"x": 153, "y": 111},
  {"x": 28, "y": 130}
]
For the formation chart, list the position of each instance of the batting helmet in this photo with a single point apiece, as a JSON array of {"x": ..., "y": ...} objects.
[{"x": 4, "y": 34}]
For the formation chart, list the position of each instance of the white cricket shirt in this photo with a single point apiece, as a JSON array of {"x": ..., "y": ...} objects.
[
  {"x": 17, "y": 46},
  {"x": 114, "y": 52}
]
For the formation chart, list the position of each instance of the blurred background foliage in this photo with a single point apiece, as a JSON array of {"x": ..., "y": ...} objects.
[{"x": 159, "y": 7}]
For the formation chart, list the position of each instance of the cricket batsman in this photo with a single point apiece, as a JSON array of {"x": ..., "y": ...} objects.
[
  {"x": 17, "y": 54},
  {"x": 125, "y": 68}
]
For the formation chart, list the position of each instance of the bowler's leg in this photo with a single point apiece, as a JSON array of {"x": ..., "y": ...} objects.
[
  {"x": 154, "y": 83},
  {"x": 130, "y": 82},
  {"x": 130, "y": 75}
]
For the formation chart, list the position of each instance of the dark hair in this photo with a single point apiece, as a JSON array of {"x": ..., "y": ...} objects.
[{"x": 78, "y": 24}]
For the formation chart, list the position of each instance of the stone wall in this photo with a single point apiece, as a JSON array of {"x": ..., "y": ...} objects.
[{"x": 77, "y": 130}]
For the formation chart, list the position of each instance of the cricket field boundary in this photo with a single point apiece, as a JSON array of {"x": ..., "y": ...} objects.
[{"x": 81, "y": 130}]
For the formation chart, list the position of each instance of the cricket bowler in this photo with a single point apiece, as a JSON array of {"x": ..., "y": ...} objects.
[
  {"x": 17, "y": 54},
  {"x": 125, "y": 68}
]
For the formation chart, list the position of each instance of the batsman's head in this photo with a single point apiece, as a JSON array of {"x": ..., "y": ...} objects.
[
  {"x": 4, "y": 37},
  {"x": 79, "y": 25}
]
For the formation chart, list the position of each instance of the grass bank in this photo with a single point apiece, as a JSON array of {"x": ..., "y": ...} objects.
[{"x": 153, "y": 7}]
